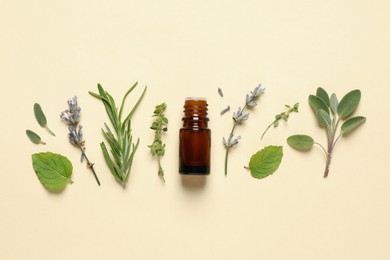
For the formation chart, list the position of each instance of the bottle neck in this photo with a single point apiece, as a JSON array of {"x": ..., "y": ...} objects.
[{"x": 195, "y": 113}]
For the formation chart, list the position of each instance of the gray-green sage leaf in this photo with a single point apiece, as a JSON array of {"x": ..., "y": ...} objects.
[
  {"x": 35, "y": 138},
  {"x": 41, "y": 118}
]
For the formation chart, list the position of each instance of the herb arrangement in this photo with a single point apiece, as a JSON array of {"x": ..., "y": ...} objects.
[
  {"x": 159, "y": 125},
  {"x": 330, "y": 113},
  {"x": 120, "y": 139},
  {"x": 71, "y": 117}
]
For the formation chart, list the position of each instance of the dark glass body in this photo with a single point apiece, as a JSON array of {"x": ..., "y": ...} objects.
[{"x": 195, "y": 138}]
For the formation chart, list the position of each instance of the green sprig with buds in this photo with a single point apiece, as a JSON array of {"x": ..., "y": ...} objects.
[{"x": 159, "y": 126}]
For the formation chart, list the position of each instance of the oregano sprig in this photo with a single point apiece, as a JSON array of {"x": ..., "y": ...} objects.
[
  {"x": 159, "y": 126},
  {"x": 284, "y": 115},
  {"x": 330, "y": 113},
  {"x": 238, "y": 118}
]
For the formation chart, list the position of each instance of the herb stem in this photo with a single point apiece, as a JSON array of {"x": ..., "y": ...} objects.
[
  {"x": 268, "y": 128},
  {"x": 326, "y": 153},
  {"x": 90, "y": 165},
  {"x": 228, "y": 145},
  {"x": 51, "y": 132}
]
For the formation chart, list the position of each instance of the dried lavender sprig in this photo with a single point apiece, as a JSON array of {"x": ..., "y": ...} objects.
[
  {"x": 71, "y": 117},
  {"x": 239, "y": 117}
]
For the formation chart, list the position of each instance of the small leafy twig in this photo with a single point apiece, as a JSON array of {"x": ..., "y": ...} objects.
[
  {"x": 71, "y": 117},
  {"x": 41, "y": 118},
  {"x": 321, "y": 105},
  {"x": 238, "y": 118},
  {"x": 120, "y": 141},
  {"x": 284, "y": 115},
  {"x": 159, "y": 125}
]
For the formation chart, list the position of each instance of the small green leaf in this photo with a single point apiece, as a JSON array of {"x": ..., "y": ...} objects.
[
  {"x": 39, "y": 115},
  {"x": 351, "y": 124},
  {"x": 53, "y": 170},
  {"x": 321, "y": 93},
  {"x": 349, "y": 103},
  {"x": 300, "y": 142},
  {"x": 34, "y": 137},
  {"x": 334, "y": 103},
  {"x": 266, "y": 161},
  {"x": 324, "y": 118},
  {"x": 317, "y": 103}
]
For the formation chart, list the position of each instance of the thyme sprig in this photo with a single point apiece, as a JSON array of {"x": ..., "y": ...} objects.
[
  {"x": 71, "y": 117},
  {"x": 239, "y": 117},
  {"x": 159, "y": 125},
  {"x": 120, "y": 140}
]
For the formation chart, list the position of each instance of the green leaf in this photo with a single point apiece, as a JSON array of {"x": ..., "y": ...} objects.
[
  {"x": 324, "y": 118},
  {"x": 39, "y": 115},
  {"x": 265, "y": 161},
  {"x": 351, "y": 124},
  {"x": 34, "y": 137},
  {"x": 53, "y": 170},
  {"x": 334, "y": 103},
  {"x": 317, "y": 103},
  {"x": 321, "y": 93},
  {"x": 300, "y": 142},
  {"x": 349, "y": 103}
]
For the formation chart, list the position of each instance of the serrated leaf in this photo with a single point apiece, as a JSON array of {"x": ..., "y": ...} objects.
[
  {"x": 300, "y": 142},
  {"x": 334, "y": 103},
  {"x": 324, "y": 119},
  {"x": 266, "y": 161},
  {"x": 351, "y": 124},
  {"x": 321, "y": 93},
  {"x": 39, "y": 115},
  {"x": 53, "y": 170},
  {"x": 349, "y": 103},
  {"x": 317, "y": 103},
  {"x": 34, "y": 137}
]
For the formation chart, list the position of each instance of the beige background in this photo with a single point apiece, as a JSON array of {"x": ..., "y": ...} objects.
[{"x": 52, "y": 50}]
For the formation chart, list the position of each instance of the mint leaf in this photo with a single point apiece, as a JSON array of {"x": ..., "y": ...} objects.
[
  {"x": 53, "y": 170},
  {"x": 352, "y": 123},
  {"x": 349, "y": 103},
  {"x": 265, "y": 161},
  {"x": 300, "y": 142}
]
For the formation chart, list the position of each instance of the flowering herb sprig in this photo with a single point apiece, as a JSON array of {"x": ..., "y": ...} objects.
[
  {"x": 239, "y": 117},
  {"x": 71, "y": 117},
  {"x": 159, "y": 126},
  {"x": 284, "y": 115}
]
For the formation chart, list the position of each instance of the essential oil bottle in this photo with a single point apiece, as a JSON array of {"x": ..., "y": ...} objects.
[{"x": 195, "y": 138}]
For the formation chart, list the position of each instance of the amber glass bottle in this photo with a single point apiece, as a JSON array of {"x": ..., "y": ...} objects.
[{"x": 195, "y": 138}]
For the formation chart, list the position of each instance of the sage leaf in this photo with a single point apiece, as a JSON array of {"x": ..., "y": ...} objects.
[
  {"x": 334, "y": 103},
  {"x": 321, "y": 93},
  {"x": 266, "y": 161},
  {"x": 324, "y": 118},
  {"x": 349, "y": 103},
  {"x": 41, "y": 118},
  {"x": 317, "y": 103},
  {"x": 53, "y": 170},
  {"x": 351, "y": 124},
  {"x": 34, "y": 137},
  {"x": 300, "y": 142}
]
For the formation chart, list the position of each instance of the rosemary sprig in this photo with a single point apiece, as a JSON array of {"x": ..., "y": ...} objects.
[
  {"x": 284, "y": 115},
  {"x": 238, "y": 118},
  {"x": 159, "y": 125},
  {"x": 120, "y": 141}
]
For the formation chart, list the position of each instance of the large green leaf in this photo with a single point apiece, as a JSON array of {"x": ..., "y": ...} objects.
[
  {"x": 349, "y": 103},
  {"x": 321, "y": 93},
  {"x": 265, "y": 161},
  {"x": 53, "y": 170},
  {"x": 324, "y": 118},
  {"x": 317, "y": 103},
  {"x": 334, "y": 103},
  {"x": 300, "y": 142},
  {"x": 351, "y": 124}
]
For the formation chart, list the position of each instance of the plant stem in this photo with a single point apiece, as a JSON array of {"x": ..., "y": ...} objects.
[
  {"x": 268, "y": 128},
  {"x": 51, "y": 132},
  {"x": 90, "y": 165}
]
